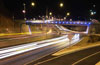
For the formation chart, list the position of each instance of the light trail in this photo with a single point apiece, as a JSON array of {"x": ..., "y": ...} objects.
[
  {"x": 27, "y": 47},
  {"x": 11, "y": 51},
  {"x": 35, "y": 43}
]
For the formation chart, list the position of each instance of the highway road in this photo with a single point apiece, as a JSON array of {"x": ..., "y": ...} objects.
[
  {"x": 16, "y": 36},
  {"x": 23, "y": 54},
  {"x": 90, "y": 56},
  {"x": 8, "y": 41}
]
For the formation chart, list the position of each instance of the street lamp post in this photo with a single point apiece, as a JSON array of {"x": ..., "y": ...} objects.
[
  {"x": 68, "y": 14},
  {"x": 61, "y": 5},
  {"x": 46, "y": 12},
  {"x": 92, "y": 12},
  {"x": 50, "y": 15},
  {"x": 33, "y": 4},
  {"x": 24, "y": 11}
]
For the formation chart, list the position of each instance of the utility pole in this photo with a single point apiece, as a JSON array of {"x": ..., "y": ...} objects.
[
  {"x": 46, "y": 12},
  {"x": 24, "y": 11}
]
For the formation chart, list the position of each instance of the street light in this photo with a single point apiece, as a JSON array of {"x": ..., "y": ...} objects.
[
  {"x": 68, "y": 14},
  {"x": 33, "y": 4},
  {"x": 50, "y": 13},
  {"x": 24, "y": 11},
  {"x": 92, "y": 13},
  {"x": 61, "y": 5},
  {"x": 94, "y": 6}
]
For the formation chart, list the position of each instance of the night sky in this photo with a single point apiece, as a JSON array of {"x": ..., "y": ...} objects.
[{"x": 77, "y": 8}]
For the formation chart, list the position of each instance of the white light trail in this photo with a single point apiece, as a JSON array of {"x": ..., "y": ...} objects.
[
  {"x": 26, "y": 47},
  {"x": 11, "y": 51}
]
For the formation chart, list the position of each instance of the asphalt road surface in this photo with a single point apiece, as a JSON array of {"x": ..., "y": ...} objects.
[
  {"x": 44, "y": 49},
  {"x": 25, "y": 57},
  {"x": 23, "y": 39},
  {"x": 88, "y": 56}
]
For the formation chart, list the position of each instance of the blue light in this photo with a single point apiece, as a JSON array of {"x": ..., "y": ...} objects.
[
  {"x": 63, "y": 22},
  {"x": 52, "y": 22},
  {"x": 81, "y": 22},
  {"x": 56, "y": 22},
  {"x": 89, "y": 23},
  {"x": 78, "y": 22},
  {"x": 73, "y": 22},
  {"x": 59, "y": 22},
  {"x": 85, "y": 22},
  {"x": 66, "y": 22},
  {"x": 70, "y": 22}
]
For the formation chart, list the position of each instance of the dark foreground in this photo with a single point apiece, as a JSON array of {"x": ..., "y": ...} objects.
[{"x": 85, "y": 57}]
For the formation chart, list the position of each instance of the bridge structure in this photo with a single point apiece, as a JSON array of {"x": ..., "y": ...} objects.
[
  {"x": 54, "y": 24},
  {"x": 76, "y": 23},
  {"x": 84, "y": 23}
]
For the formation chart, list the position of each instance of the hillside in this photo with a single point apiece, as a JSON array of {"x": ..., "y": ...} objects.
[{"x": 6, "y": 23}]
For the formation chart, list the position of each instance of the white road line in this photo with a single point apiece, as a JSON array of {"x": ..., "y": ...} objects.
[{"x": 85, "y": 58}]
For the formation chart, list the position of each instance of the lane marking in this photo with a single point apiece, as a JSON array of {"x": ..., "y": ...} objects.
[{"x": 85, "y": 58}]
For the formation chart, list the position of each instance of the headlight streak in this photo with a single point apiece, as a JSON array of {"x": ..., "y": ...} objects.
[
  {"x": 35, "y": 43},
  {"x": 11, "y": 51}
]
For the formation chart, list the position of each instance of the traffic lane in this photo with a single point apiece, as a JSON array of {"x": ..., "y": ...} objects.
[
  {"x": 31, "y": 46},
  {"x": 13, "y": 37},
  {"x": 89, "y": 60},
  {"x": 32, "y": 55},
  {"x": 13, "y": 42},
  {"x": 21, "y": 49},
  {"x": 34, "y": 44},
  {"x": 69, "y": 59},
  {"x": 39, "y": 52}
]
